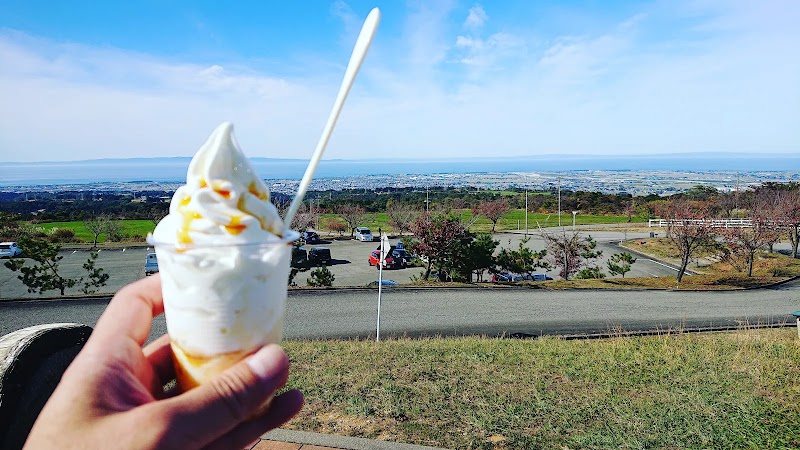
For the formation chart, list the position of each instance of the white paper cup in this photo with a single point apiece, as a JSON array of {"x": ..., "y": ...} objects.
[{"x": 222, "y": 302}]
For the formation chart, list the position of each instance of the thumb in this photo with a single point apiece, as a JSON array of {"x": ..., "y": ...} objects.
[{"x": 210, "y": 410}]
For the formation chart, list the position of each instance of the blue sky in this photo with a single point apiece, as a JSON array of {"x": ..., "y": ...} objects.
[{"x": 85, "y": 80}]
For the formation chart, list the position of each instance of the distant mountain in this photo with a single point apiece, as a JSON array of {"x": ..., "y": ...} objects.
[{"x": 544, "y": 157}]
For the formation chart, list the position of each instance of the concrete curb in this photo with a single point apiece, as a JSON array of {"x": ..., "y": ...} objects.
[
  {"x": 341, "y": 442},
  {"x": 659, "y": 332}
]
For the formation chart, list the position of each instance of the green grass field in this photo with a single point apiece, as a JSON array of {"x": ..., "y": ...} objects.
[
  {"x": 134, "y": 228},
  {"x": 514, "y": 220},
  {"x": 720, "y": 390}
]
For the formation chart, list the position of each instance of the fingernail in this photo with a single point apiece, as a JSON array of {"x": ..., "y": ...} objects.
[{"x": 266, "y": 362}]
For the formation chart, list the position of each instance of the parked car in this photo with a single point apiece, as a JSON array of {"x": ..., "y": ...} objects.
[
  {"x": 502, "y": 277},
  {"x": 402, "y": 257},
  {"x": 299, "y": 257},
  {"x": 311, "y": 236},
  {"x": 506, "y": 277},
  {"x": 375, "y": 258},
  {"x": 383, "y": 283},
  {"x": 538, "y": 277},
  {"x": 364, "y": 235},
  {"x": 9, "y": 250},
  {"x": 150, "y": 264},
  {"x": 319, "y": 256}
]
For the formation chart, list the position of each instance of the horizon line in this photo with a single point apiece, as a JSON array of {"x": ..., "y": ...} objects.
[{"x": 442, "y": 159}]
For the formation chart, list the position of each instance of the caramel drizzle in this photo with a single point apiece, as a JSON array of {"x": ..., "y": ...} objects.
[
  {"x": 188, "y": 217},
  {"x": 235, "y": 226}
]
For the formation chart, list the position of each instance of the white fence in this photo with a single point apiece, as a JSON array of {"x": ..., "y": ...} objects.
[{"x": 714, "y": 223}]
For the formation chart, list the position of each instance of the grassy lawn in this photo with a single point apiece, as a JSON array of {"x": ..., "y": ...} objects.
[
  {"x": 721, "y": 390},
  {"x": 138, "y": 228},
  {"x": 509, "y": 222}
]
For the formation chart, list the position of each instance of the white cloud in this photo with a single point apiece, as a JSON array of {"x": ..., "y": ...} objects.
[
  {"x": 725, "y": 81},
  {"x": 476, "y": 18}
]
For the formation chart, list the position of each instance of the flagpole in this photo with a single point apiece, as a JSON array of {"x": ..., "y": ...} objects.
[{"x": 380, "y": 288}]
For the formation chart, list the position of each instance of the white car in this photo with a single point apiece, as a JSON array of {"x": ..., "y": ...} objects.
[
  {"x": 9, "y": 250},
  {"x": 363, "y": 234}
]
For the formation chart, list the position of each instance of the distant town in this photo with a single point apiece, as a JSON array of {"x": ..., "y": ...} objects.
[{"x": 645, "y": 182}]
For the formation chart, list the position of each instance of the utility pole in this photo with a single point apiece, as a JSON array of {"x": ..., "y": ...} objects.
[
  {"x": 559, "y": 201},
  {"x": 526, "y": 212},
  {"x": 427, "y": 200}
]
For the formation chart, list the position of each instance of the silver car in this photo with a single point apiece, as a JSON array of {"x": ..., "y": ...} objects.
[{"x": 9, "y": 250}]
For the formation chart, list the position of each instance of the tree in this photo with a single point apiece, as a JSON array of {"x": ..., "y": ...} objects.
[
  {"x": 688, "y": 229},
  {"x": 9, "y": 226},
  {"x": 481, "y": 254},
  {"x": 336, "y": 225},
  {"x": 744, "y": 242},
  {"x": 620, "y": 263},
  {"x": 493, "y": 210},
  {"x": 44, "y": 276},
  {"x": 435, "y": 237},
  {"x": 303, "y": 219},
  {"x": 523, "y": 260},
  {"x": 113, "y": 230},
  {"x": 787, "y": 215},
  {"x": 158, "y": 212},
  {"x": 321, "y": 276},
  {"x": 401, "y": 216},
  {"x": 570, "y": 251},
  {"x": 96, "y": 226},
  {"x": 589, "y": 257},
  {"x": 588, "y": 273},
  {"x": 352, "y": 215},
  {"x": 630, "y": 209},
  {"x": 96, "y": 277}
]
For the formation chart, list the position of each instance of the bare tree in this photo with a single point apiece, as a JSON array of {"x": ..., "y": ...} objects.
[
  {"x": 352, "y": 215},
  {"x": 743, "y": 243},
  {"x": 158, "y": 212},
  {"x": 113, "y": 229},
  {"x": 630, "y": 209},
  {"x": 335, "y": 225},
  {"x": 303, "y": 218},
  {"x": 569, "y": 251},
  {"x": 96, "y": 226},
  {"x": 493, "y": 210},
  {"x": 688, "y": 228},
  {"x": 787, "y": 214},
  {"x": 401, "y": 216}
]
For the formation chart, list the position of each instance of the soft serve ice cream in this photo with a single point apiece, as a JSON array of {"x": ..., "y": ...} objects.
[{"x": 224, "y": 254}]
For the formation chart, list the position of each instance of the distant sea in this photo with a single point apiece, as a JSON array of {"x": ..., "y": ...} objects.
[{"x": 174, "y": 169}]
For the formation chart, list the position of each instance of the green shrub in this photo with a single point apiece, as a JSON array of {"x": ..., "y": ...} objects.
[
  {"x": 321, "y": 276},
  {"x": 57, "y": 235}
]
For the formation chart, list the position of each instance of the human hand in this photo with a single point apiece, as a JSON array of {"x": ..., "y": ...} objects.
[{"x": 111, "y": 396}]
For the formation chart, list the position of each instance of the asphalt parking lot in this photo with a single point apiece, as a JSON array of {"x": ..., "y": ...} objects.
[{"x": 349, "y": 265}]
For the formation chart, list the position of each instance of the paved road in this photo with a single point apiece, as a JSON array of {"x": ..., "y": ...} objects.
[{"x": 350, "y": 313}]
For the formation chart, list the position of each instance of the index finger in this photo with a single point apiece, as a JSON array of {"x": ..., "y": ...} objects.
[{"x": 132, "y": 310}]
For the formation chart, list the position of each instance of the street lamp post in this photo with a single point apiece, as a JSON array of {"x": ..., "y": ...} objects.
[{"x": 574, "y": 213}]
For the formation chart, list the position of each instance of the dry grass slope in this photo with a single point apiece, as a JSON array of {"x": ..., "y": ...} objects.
[{"x": 724, "y": 390}]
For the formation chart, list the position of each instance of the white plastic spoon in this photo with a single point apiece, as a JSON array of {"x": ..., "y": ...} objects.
[{"x": 359, "y": 52}]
